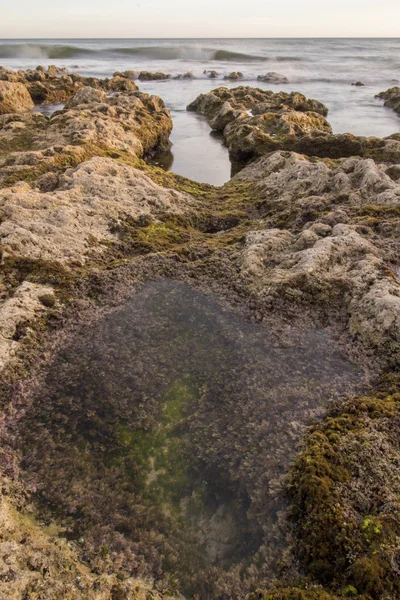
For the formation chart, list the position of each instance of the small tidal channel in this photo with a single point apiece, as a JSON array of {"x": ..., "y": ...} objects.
[{"x": 161, "y": 434}]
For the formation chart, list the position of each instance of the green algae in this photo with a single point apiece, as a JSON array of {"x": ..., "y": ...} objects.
[
  {"x": 162, "y": 453},
  {"x": 336, "y": 541}
]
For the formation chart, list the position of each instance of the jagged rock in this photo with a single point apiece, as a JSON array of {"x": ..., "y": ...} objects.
[
  {"x": 319, "y": 248},
  {"x": 391, "y": 98},
  {"x": 86, "y": 95},
  {"x": 122, "y": 84},
  {"x": 14, "y": 98},
  {"x": 273, "y": 77},
  {"x": 148, "y": 76},
  {"x": 53, "y": 71},
  {"x": 358, "y": 84},
  {"x": 255, "y": 99},
  {"x": 255, "y": 122},
  {"x": 55, "y": 86},
  {"x": 136, "y": 123}
]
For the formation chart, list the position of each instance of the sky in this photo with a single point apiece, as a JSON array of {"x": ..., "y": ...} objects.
[{"x": 208, "y": 18}]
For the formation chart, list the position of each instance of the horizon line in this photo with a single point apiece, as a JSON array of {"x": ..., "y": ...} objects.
[{"x": 212, "y": 38}]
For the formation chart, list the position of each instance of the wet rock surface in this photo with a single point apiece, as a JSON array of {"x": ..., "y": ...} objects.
[
  {"x": 161, "y": 374},
  {"x": 391, "y": 98},
  {"x": 163, "y": 425},
  {"x": 255, "y": 122}
]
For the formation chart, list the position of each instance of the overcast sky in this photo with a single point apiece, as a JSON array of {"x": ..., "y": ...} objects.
[{"x": 208, "y": 18}]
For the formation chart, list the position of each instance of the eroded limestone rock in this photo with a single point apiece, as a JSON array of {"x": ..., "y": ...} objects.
[
  {"x": 324, "y": 244},
  {"x": 14, "y": 98},
  {"x": 80, "y": 217}
]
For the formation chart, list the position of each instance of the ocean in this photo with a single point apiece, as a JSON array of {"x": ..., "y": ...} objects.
[{"x": 319, "y": 68}]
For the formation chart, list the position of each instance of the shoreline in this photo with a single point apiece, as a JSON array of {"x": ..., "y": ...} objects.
[{"x": 296, "y": 245}]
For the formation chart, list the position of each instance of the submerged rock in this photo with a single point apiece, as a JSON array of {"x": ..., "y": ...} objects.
[
  {"x": 273, "y": 77},
  {"x": 188, "y": 75},
  {"x": 211, "y": 74},
  {"x": 14, "y": 98},
  {"x": 234, "y": 75}
]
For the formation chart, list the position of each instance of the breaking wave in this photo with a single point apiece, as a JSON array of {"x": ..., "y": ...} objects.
[
  {"x": 59, "y": 51},
  {"x": 42, "y": 51}
]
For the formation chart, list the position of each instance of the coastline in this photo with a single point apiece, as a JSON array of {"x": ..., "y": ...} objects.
[{"x": 304, "y": 237}]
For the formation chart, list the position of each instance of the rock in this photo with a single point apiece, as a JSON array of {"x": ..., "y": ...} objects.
[
  {"x": 188, "y": 75},
  {"x": 54, "y": 72},
  {"x": 255, "y": 122},
  {"x": 211, "y": 74},
  {"x": 127, "y": 74},
  {"x": 391, "y": 98},
  {"x": 86, "y": 95},
  {"x": 135, "y": 123},
  {"x": 358, "y": 84},
  {"x": 74, "y": 221},
  {"x": 122, "y": 84},
  {"x": 148, "y": 76},
  {"x": 321, "y": 245},
  {"x": 14, "y": 98},
  {"x": 273, "y": 77},
  {"x": 23, "y": 306},
  {"x": 55, "y": 86},
  {"x": 234, "y": 75}
]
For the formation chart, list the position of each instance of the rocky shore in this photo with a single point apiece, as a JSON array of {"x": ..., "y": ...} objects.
[{"x": 290, "y": 270}]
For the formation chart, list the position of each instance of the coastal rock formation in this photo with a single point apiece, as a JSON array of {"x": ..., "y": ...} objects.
[
  {"x": 211, "y": 74},
  {"x": 273, "y": 77},
  {"x": 255, "y": 122},
  {"x": 391, "y": 98},
  {"x": 330, "y": 246},
  {"x": 188, "y": 75},
  {"x": 14, "y": 98},
  {"x": 91, "y": 123},
  {"x": 127, "y": 74},
  {"x": 81, "y": 217},
  {"x": 256, "y": 100},
  {"x": 130, "y": 440},
  {"x": 234, "y": 75},
  {"x": 56, "y": 86},
  {"x": 148, "y": 76}
]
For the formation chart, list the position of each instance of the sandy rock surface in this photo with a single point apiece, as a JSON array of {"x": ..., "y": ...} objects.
[
  {"x": 78, "y": 218},
  {"x": 14, "y": 98}
]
